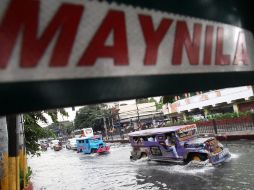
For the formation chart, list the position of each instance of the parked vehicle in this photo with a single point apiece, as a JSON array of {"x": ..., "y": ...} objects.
[
  {"x": 176, "y": 144},
  {"x": 53, "y": 143},
  {"x": 43, "y": 145},
  {"x": 57, "y": 147},
  {"x": 72, "y": 144},
  {"x": 94, "y": 144}
]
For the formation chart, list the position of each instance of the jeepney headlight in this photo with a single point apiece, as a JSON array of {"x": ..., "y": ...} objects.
[
  {"x": 198, "y": 145},
  {"x": 220, "y": 145}
]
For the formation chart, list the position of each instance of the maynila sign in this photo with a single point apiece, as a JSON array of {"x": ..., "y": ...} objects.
[{"x": 66, "y": 39}]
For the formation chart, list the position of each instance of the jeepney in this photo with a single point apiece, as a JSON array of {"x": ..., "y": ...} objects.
[
  {"x": 184, "y": 145},
  {"x": 95, "y": 144}
]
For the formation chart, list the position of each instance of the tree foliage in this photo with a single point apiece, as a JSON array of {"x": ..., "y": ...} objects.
[
  {"x": 219, "y": 116},
  {"x": 33, "y": 131},
  {"x": 64, "y": 128},
  {"x": 168, "y": 99},
  {"x": 142, "y": 100},
  {"x": 91, "y": 116},
  {"x": 152, "y": 100},
  {"x": 157, "y": 104}
]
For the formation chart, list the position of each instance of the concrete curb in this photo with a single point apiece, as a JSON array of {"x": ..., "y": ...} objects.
[{"x": 234, "y": 137}]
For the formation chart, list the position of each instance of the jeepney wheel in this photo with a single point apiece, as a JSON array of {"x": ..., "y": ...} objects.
[
  {"x": 143, "y": 155},
  {"x": 199, "y": 157},
  {"x": 196, "y": 158},
  {"x": 93, "y": 150}
]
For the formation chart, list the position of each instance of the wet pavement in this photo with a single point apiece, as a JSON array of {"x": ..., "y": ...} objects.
[{"x": 68, "y": 170}]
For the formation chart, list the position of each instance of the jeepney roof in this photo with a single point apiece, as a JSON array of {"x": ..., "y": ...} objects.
[
  {"x": 163, "y": 130},
  {"x": 83, "y": 138},
  {"x": 54, "y": 141},
  {"x": 89, "y": 137}
]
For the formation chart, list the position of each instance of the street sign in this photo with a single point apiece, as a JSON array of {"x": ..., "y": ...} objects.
[
  {"x": 94, "y": 46},
  {"x": 45, "y": 40}
]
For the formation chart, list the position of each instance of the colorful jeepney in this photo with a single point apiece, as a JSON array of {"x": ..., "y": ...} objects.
[
  {"x": 94, "y": 144},
  {"x": 176, "y": 144}
]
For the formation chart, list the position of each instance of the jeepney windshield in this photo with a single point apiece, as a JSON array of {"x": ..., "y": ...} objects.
[
  {"x": 139, "y": 140},
  {"x": 94, "y": 140},
  {"x": 183, "y": 135}
]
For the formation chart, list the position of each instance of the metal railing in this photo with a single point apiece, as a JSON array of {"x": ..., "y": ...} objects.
[
  {"x": 231, "y": 125},
  {"x": 245, "y": 123}
]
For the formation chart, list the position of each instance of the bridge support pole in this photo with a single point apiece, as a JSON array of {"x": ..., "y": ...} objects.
[
  {"x": 3, "y": 154},
  {"x": 22, "y": 151},
  {"x": 14, "y": 181}
]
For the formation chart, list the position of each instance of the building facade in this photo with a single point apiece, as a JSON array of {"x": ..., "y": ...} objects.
[{"x": 237, "y": 99}]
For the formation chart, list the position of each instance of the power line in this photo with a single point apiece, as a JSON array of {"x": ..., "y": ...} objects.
[
  {"x": 141, "y": 113},
  {"x": 134, "y": 110}
]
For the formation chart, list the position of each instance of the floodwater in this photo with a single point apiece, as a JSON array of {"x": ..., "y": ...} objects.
[{"x": 68, "y": 170}]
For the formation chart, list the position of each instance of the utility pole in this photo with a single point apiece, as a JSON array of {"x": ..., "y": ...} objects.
[
  {"x": 215, "y": 127},
  {"x": 105, "y": 127},
  {"x": 13, "y": 161},
  {"x": 112, "y": 124},
  {"x": 168, "y": 108},
  {"x": 138, "y": 114},
  {"x": 110, "y": 119},
  {"x": 119, "y": 127},
  {"x": 109, "y": 124},
  {"x": 22, "y": 152},
  {"x": 3, "y": 154}
]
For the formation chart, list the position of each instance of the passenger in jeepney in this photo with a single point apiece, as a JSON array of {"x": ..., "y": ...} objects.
[
  {"x": 139, "y": 140},
  {"x": 135, "y": 139},
  {"x": 171, "y": 142},
  {"x": 150, "y": 139}
]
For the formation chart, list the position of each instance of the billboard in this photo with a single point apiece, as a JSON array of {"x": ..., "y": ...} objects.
[{"x": 87, "y": 132}]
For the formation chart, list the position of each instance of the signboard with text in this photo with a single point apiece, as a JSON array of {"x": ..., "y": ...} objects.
[
  {"x": 68, "y": 39},
  {"x": 70, "y": 52}
]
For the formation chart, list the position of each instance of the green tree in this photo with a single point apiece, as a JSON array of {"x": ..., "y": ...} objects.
[
  {"x": 63, "y": 127},
  {"x": 168, "y": 99},
  {"x": 33, "y": 131},
  {"x": 142, "y": 100},
  {"x": 68, "y": 128},
  {"x": 157, "y": 104},
  {"x": 152, "y": 100},
  {"x": 91, "y": 116}
]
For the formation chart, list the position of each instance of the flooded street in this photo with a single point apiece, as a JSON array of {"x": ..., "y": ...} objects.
[{"x": 68, "y": 170}]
